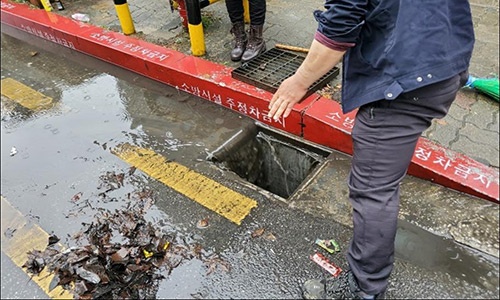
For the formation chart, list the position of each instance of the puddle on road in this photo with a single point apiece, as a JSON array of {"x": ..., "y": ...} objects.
[
  {"x": 175, "y": 285},
  {"x": 127, "y": 251},
  {"x": 432, "y": 252}
]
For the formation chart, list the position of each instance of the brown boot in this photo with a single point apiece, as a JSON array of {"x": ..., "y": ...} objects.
[
  {"x": 256, "y": 44},
  {"x": 240, "y": 41}
]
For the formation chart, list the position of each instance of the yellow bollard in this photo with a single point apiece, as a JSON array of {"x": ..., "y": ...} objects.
[
  {"x": 46, "y": 5},
  {"x": 197, "y": 39},
  {"x": 246, "y": 11},
  {"x": 123, "y": 12},
  {"x": 195, "y": 27}
]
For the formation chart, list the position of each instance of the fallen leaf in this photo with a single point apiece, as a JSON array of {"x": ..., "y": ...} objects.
[
  {"x": 147, "y": 254},
  {"x": 119, "y": 178},
  {"x": 88, "y": 275},
  {"x": 214, "y": 262},
  {"x": 270, "y": 237},
  {"x": 258, "y": 232},
  {"x": 441, "y": 122},
  {"x": 203, "y": 223},
  {"x": 131, "y": 170},
  {"x": 120, "y": 255},
  {"x": 53, "y": 239},
  {"x": 33, "y": 53},
  {"x": 54, "y": 282},
  {"x": 77, "y": 197},
  {"x": 165, "y": 247},
  {"x": 197, "y": 249}
]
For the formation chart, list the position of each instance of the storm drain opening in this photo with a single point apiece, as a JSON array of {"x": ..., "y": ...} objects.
[{"x": 270, "y": 160}]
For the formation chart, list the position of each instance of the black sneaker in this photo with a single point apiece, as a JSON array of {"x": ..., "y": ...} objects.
[{"x": 342, "y": 287}]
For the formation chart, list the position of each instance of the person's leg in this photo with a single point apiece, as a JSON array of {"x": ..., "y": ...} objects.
[
  {"x": 257, "y": 12},
  {"x": 384, "y": 139},
  {"x": 235, "y": 10},
  {"x": 256, "y": 44}
]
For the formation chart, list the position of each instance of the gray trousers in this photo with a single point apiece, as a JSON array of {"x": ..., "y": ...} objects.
[{"x": 384, "y": 136}]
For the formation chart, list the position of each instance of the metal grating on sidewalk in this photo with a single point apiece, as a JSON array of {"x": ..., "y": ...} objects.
[{"x": 268, "y": 70}]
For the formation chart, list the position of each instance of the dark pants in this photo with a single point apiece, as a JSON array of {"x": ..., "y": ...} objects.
[
  {"x": 384, "y": 136},
  {"x": 257, "y": 11}
]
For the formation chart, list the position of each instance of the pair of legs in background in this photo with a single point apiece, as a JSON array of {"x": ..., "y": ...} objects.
[
  {"x": 247, "y": 47},
  {"x": 384, "y": 136}
]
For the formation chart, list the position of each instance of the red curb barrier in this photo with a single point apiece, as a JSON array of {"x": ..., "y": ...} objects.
[
  {"x": 335, "y": 126},
  {"x": 316, "y": 119},
  {"x": 430, "y": 161}
]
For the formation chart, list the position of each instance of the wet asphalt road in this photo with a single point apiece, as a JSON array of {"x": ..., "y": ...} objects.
[{"x": 64, "y": 150}]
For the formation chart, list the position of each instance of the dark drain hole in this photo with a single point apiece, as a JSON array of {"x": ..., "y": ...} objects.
[{"x": 272, "y": 162}]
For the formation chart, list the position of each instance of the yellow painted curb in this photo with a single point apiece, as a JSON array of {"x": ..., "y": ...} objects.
[
  {"x": 24, "y": 95},
  {"x": 27, "y": 237},
  {"x": 209, "y": 193}
]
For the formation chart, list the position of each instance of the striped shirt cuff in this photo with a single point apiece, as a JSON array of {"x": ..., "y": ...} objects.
[{"x": 322, "y": 39}]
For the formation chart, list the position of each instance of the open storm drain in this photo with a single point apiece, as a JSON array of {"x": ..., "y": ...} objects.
[
  {"x": 268, "y": 70},
  {"x": 274, "y": 162}
]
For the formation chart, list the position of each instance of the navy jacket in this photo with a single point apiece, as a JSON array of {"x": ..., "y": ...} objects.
[{"x": 396, "y": 46}]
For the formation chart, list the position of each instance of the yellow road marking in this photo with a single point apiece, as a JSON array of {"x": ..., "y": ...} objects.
[
  {"x": 25, "y": 95},
  {"x": 25, "y": 238},
  {"x": 209, "y": 193}
]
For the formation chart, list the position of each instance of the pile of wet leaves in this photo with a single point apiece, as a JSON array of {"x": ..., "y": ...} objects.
[{"x": 121, "y": 255}]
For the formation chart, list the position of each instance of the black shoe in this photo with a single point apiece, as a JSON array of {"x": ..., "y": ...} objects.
[
  {"x": 240, "y": 41},
  {"x": 344, "y": 286},
  {"x": 256, "y": 44}
]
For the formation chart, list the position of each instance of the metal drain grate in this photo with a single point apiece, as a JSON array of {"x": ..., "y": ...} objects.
[{"x": 268, "y": 70}]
